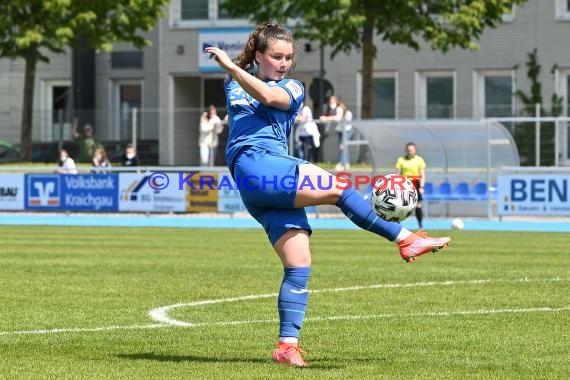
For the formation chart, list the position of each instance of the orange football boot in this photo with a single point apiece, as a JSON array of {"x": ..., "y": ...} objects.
[
  {"x": 420, "y": 243},
  {"x": 289, "y": 353}
]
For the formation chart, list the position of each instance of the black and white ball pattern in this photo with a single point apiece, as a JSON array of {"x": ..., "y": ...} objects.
[{"x": 393, "y": 199}]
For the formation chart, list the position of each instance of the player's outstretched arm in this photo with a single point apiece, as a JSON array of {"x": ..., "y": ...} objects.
[{"x": 269, "y": 96}]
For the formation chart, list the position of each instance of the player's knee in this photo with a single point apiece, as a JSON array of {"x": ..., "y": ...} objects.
[{"x": 293, "y": 248}]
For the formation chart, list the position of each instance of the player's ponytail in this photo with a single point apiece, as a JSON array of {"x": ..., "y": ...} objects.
[{"x": 258, "y": 41}]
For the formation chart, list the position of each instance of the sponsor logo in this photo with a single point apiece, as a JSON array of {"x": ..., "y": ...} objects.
[
  {"x": 44, "y": 191},
  {"x": 131, "y": 193},
  {"x": 8, "y": 192},
  {"x": 295, "y": 89}
]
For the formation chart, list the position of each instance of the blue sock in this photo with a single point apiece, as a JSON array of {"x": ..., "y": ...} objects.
[
  {"x": 359, "y": 210},
  {"x": 292, "y": 301}
]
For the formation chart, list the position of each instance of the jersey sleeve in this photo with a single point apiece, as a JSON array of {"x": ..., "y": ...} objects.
[
  {"x": 296, "y": 93},
  {"x": 422, "y": 164},
  {"x": 399, "y": 164}
]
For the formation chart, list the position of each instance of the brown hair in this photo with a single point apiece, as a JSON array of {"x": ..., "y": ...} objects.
[
  {"x": 101, "y": 151},
  {"x": 258, "y": 41}
]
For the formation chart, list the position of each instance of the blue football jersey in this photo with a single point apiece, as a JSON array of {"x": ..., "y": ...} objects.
[{"x": 255, "y": 124}]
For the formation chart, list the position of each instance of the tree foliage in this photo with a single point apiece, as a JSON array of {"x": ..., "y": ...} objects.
[
  {"x": 524, "y": 134},
  {"x": 535, "y": 97},
  {"x": 51, "y": 25},
  {"x": 345, "y": 25},
  {"x": 30, "y": 29}
]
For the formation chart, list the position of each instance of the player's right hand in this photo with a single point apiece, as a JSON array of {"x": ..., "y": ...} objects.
[{"x": 221, "y": 57}]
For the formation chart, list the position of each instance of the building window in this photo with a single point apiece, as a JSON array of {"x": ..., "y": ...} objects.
[
  {"x": 567, "y": 97},
  {"x": 562, "y": 10},
  {"x": 127, "y": 95},
  {"x": 56, "y": 110},
  {"x": 222, "y": 13},
  {"x": 384, "y": 95},
  {"x": 510, "y": 17},
  {"x": 498, "y": 96},
  {"x": 566, "y": 131},
  {"x": 202, "y": 14},
  {"x": 439, "y": 98},
  {"x": 435, "y": 94},
  {"x": 493, "y": 93},
  {"x": 194, "y": 9},
  {"x": 127, "y": 59}
]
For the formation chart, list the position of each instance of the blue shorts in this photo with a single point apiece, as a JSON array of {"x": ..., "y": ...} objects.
[{"x": 268, "y": 185}]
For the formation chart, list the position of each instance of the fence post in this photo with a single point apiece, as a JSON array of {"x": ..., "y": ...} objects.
[
  {"x": 134, "y": 129},
  {"x": 60, "y": 137},
  {"x": 537, "y": 135},
  {"x": 489, "y": 174},
  {"x": 556, "y": 144}
]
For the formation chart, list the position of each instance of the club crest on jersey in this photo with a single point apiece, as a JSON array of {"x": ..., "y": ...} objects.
[{"x": 295, "y": 89}]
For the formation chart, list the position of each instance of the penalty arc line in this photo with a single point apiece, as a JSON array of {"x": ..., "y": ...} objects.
[
  {"x": 161, "y": 314},
  {"x": 394, "y": 315}
]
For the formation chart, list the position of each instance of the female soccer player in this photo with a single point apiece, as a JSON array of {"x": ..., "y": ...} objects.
[{"x": 262, "y": 106}]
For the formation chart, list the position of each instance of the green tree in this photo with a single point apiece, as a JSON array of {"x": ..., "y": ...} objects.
[
  {"x": 530, "y": 101},
  {"x": 29, "y": 29},
  {"x": 352, "y": 24},
  {"x": 524, "y": 136}
]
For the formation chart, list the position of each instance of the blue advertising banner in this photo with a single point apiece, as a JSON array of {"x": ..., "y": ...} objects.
[
  {"x": 229, "y": 199},
  {"x": 231, "y": 41},
  {"x": 72, "y": 192},
  {"x": 533, "y": 194}
]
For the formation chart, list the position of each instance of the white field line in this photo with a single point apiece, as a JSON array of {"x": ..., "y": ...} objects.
[
  {"x": 161, "y": 314},
  {"x": 310, "y": 319},
  {"x": 396, "y": 315},
  {"x": 84, "y": 329}
]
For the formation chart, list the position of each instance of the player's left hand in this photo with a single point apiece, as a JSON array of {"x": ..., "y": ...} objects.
[{"x": 221, "y": 57}]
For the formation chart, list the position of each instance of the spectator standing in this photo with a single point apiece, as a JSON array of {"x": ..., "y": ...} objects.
[
  {"x": 86, "y": 140},
  {"x": 210, "y": 127},
  {"x": 333, "y": 118},
  {"x": 344, "y": 133},
  {"x": 307, "y": 136}
]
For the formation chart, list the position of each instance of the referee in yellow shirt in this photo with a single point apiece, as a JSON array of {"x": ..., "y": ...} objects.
[{"x": 413, "y": 165}]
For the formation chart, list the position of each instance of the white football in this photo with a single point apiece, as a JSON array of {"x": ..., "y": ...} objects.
[
  {"x": 394, "y": 197},
  {"x": 457, "y": 224}
]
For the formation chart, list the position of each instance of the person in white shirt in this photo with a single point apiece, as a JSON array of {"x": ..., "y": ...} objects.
[
  {"x": 334, "y": 114},
  {"x": 210, "y": 127},
  {"x": 307, "y": 136},
  {"x": 337, "y": 116},
  {"x": 66, "y": 164}
]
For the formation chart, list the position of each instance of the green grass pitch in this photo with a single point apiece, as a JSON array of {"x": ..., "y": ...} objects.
[{"x": 436, "y": 321}]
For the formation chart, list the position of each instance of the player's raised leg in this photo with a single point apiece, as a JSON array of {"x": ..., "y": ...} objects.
[
  {"x": 293, "y": 250},
  {"x": 323, "y": 188}
]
